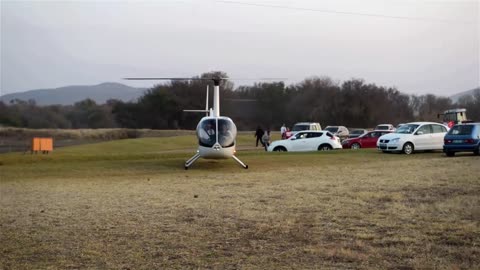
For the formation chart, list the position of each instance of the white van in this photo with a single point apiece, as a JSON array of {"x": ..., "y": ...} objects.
[{"x": 306, "y": 126}]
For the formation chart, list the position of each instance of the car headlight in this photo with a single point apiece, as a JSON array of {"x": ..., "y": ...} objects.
[{"x": 394, "y": 140}]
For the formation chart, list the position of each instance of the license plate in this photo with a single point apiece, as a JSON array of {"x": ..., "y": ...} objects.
[
  {"x": 383, "y": 145},
  {"x": 457, "y": 141}
]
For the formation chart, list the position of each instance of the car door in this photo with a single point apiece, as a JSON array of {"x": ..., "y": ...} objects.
[
  {"x": 423, "y": 137},
  {"x": 370, "y": 140},
  {"x": 313, "y": 141},
  {"x": 438, "y": 133},
  {"x": 298, "y": 142}
]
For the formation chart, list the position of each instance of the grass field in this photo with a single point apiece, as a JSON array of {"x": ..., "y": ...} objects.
[
  {"x": 20, "y": 139},
  {"x": 129, "y": 204}
]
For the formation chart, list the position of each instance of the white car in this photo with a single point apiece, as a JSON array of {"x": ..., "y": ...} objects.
[
  {"x": 412, "y": 137},
  {"x": 307, "y": 141}
]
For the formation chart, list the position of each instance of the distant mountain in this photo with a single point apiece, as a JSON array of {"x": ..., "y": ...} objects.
[
  {"x": 456, "y": 97},
  {"x": 70, "y": 94}
]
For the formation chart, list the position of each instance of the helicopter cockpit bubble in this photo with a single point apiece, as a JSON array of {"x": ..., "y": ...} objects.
[
  {"x": 209, "y": 128},
  {"x": 227, "y": 131}
]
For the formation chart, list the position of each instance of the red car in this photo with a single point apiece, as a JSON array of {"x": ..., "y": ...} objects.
[{"x": 367, "y": 140}]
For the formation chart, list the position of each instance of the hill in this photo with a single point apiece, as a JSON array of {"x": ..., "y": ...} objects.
[
  {"x": 457, "y": 97},
  {"x": 70, "y": 94}
]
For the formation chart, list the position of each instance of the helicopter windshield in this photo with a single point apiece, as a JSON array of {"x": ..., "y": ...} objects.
[
  {"x": 227, "y": 131},
  {"x": 207, "y": 132}
]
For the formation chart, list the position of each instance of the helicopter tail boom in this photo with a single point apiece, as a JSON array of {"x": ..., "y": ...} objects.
[{"x": 206, "y": 111}]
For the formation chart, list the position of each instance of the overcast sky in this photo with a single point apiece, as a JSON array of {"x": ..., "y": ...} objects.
[{"x": 418, "y": 46}]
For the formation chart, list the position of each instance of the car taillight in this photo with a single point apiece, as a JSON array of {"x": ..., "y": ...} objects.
[
  {"x": 468, "y": 141},
  {"x": 447, "y": 141}
]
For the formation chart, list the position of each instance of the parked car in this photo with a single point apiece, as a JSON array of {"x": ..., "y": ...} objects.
[
  {"x": 462, "y": 138},
  {"x": 307, "y": 141},
  {"x": 367, "y": 140},
  {"x": 414, "y": 136},
  {"x": 357, "y": 133},
  {"x": 339, "y": 131},
  {"x": 306, "y": 126},
  {"x": 385, "y": 127}
]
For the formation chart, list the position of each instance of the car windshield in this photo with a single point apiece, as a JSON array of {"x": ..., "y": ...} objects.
[
  {"x": 382, "y": 128},
  {"x": 366, "y": 135},
  {"x": 450, "y": 117},
  {"x": 407, "y": 129},
  {"x": 332, "y": 129},
  {"x": 461, "y": 130},
  {"x": 300, "y": 127}
]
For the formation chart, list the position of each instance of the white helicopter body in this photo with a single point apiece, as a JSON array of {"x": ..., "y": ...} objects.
[{"x": 216, "y": 134}]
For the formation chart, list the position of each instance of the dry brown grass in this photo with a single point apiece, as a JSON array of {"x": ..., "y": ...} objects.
[
  {"x": 297, "y": 211},
  {"x": 19, "y": 139}
]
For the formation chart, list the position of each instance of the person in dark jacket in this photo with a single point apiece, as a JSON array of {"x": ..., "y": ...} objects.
[{"x": 258, "y": 135}]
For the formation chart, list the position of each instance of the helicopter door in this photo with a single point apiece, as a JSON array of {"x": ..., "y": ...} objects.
[
  {"x": 227, "y": 131},
  {"x": 207, "y": 132}
]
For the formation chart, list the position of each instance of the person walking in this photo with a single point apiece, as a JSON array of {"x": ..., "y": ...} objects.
[
  {"x": 266, "y": 139},
  {"x": 259, "y": 134},
  {"x": 283, "y": 132}
]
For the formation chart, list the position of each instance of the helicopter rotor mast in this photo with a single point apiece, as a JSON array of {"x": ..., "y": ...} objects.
[{"x": 216, "y": 97}]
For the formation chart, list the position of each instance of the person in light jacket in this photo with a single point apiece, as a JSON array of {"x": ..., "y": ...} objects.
[
  {"x": 283, "y": 132},
  {"x": 266, "y": 139}
]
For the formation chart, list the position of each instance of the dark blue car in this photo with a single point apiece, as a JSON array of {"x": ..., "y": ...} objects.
[{"x": 462, "y": 138}]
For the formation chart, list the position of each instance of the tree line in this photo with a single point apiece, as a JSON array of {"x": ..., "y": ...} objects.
[{"x": 352, "y": 103}]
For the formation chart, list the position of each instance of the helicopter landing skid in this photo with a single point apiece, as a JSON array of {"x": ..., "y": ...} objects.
[
  {"x": 189, "y": 162},
  {"x": 245, "y": 166}
]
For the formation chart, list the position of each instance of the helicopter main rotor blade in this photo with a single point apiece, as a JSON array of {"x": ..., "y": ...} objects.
[
  {"x": 201, "y": 79},
  {"x": 259, "y": 79},
  {"x": 174, "y": 79},
  {"x": 242, "y": 99}
]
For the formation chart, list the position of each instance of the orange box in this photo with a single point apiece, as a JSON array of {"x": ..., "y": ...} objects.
[
  {"x": 42, "y": 144},
  {"x": 36, "y": 144},
  {"x": 46, "y": 144}
]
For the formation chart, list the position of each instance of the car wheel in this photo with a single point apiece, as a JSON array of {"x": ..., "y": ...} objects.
[
  {"x": 450, "y": 153},
  {"x": 355, "y": 146},
  {"x": 280, "y": 149},
  {"x": 324, "y": 147},
  {"x": 408, "y": 148}
]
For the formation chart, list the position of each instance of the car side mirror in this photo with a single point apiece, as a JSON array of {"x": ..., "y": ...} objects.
[{"x": 419, "y": 133}]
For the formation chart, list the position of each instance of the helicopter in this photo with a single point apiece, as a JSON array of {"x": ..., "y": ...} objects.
[{"x": 216, "y": 134}]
